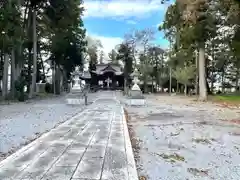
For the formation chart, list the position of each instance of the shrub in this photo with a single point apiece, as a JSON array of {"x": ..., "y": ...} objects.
[
  {"x": 49, "y": 88},
  {"x": 20, "y": 96},
  {"x": 19, "y": 86}
]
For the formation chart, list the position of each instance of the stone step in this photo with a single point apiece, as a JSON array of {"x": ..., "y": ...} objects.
[{"x": 74, "y": 101}]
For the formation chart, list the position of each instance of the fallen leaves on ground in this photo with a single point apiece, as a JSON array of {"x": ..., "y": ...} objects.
[
  {"x": 142, "y": 178},
  {"x": 234, "y": 121},
  {"x": 201, "y": 140},
  {"x": 172, "y": 157},
  {"x": 174, "y": 134},
  {"x": 198, "y": 172}
]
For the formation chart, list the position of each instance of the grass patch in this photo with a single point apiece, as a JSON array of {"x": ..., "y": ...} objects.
[
  {"x": 234, "y": 99},
  {"x": 43, "y": 95}
]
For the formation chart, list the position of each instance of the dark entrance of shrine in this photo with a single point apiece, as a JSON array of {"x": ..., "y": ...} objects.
[
  {"x": 106, "y": 77},
  {"x": 109, "y": 80}
]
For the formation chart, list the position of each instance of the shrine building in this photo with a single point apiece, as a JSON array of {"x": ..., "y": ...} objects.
[{"x": 106, "y": 76}]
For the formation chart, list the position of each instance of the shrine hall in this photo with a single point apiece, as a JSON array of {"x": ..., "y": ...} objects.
[{"x": 105, "y": 76}]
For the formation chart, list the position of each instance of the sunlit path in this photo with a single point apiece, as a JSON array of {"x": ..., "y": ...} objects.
[{"x": 92, "y": 145}]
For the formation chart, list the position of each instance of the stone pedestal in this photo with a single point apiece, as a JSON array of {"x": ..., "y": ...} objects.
[
  {"x": 76, "y": 88},
  {"x": 75, "y": 97},
  {"x": 136, "y": 97},
  {"x": 136, "y": 102},
  {"x": 40, "y": 87}
]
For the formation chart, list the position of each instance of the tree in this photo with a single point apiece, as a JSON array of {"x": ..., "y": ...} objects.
[
  {"x": 34, "y": 4},
  {"x": 67, "y": 42},
  {"x": 113, "y": 56},
  {"x": 156, "y": 55},
  {"x": 93, "y": 46},
  {"x": 192, "y": 23},
  {"x": 101, "y": 57},
  {"x": 125, "y": 55},
  {"x": 146, "y": 69},
  {"x": 10, "y": 31},
  {"x": 131, "y": 38},
  {"x": 25, "y": 24},
  {"x": 184, "y": 75}
]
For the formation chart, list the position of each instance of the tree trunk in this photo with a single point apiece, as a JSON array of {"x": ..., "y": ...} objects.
[
  {"x": 212, "y": 84},
  {"x": 212, "y": 70},
  {"x": 196, "y": 78},
  {"x": 177, "y": 90},
  {"x": 237, "y": 80},
  {"x": 1, "y": 70},
  {"x": 223, "y": 84},
  {"x": 170, "y": 80},
  {"x": 61, "y": 81},
  {"x": 42, "y": 64},
  {"x": 57, "y": 80},
  {"x": 125, "y": 86},
  {"x": 202, "y": 75},
  {"x": 18, "y": 70},
  {"x": 34, "y": 75},
  {"x": 5, "y": 76},
  {"x": 13, "y": 73},
  {"x": 29, "y": 71},
  {"x": 181, "y": 89},
  {"x": 19, "y": 62},
  {"x": 152, "y": 85},
  {"x": 54, "y": 78},
  {"x": 145, "y": 85},
  {"x": 185, "y": 89}
]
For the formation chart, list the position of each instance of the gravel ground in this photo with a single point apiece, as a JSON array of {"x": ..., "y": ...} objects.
[
  {"x": 22, "y": 122},
  {"x": 176, "y": 138}
]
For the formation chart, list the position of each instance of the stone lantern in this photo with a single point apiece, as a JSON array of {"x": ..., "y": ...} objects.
[{"x": 136, "y": 97}]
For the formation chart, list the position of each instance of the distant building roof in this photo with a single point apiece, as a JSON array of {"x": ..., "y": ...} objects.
[
  {"x": 85, "y": 75},
  {"x": 110, "y": 67}
]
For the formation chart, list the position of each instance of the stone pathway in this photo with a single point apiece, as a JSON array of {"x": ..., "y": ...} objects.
[{"x": 93, "y": 145}]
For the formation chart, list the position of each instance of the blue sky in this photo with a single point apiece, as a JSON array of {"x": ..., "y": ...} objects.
[{"x": 110, "y": 20}]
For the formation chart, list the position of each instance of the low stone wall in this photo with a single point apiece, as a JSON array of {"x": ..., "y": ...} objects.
[
  {"x": 136, "y": 102},
  {"x": 40, "y": 87}
]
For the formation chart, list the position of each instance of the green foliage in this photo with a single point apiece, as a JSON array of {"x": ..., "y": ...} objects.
[
  {"x": 60, "y": 34},
  {"x": 19, "y": 86},
  {"x": 125, "y": 55},
  {"x": 10, "y": 25},
  {"x": 68, "y": 42},
  {"x": 49, "y": 88},
  {"x": 185, "y": 75},
  {"x": 235, "y": 43},
  {"x": 92, "y": 52},
  {"x": 145, "y": 66},
  {"x": 194, "y": 25},
  {"x": 190, "y": 23},
  {"x": 113, "y": 56},
  {"x": 93, "y": 46}
]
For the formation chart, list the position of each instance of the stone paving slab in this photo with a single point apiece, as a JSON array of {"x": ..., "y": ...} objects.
[{"x": 93, "y": 145}]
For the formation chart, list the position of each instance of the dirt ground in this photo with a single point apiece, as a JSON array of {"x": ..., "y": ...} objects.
[{"x": 177, "y": 138}]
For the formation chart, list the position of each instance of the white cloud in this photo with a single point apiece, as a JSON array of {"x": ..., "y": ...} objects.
[
  {"x": 131, "y": 21},
  {"x": 122, "y": 8},
  {"x": 108, "y": 43}
]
